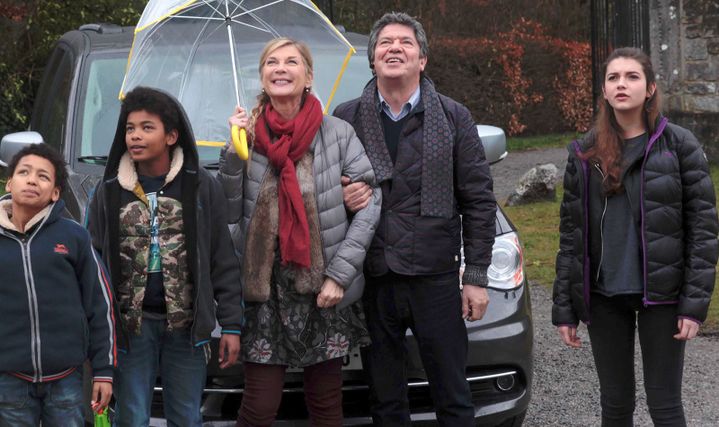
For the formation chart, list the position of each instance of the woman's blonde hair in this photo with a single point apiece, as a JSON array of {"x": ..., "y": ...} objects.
[{"x": 263, "y": 99}]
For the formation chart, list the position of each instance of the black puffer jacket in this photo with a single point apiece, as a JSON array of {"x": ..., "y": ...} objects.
[
  {"x": 678, "y": 229},
  {"x": 406, "y": 242}
]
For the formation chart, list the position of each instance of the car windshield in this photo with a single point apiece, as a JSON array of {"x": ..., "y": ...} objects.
[{"x": 99, "y": 106}]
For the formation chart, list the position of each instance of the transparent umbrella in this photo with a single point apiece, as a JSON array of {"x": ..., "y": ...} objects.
[{"x": 206, "y": 54}]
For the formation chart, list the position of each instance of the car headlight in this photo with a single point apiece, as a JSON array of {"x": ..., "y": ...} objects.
[{"x": 507, "y": 269}]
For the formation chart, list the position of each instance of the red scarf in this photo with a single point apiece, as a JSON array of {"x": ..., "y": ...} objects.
[{"x": 294, "y": 138}]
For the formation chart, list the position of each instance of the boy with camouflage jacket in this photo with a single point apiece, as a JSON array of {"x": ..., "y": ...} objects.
[{"x": 159, "y": 220}]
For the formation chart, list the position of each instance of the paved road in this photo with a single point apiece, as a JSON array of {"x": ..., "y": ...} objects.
[{"x": 566, "y": 389}]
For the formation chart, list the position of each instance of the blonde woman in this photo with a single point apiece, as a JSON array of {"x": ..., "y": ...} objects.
[{"x": 301, "y": 256}]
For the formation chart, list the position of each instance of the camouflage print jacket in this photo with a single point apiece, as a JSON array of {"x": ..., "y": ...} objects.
[
  {"x": 200, "y": 268},
  {"x": 135, "y": 238}
]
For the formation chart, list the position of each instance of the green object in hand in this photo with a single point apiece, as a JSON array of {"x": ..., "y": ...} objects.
[{"x": 101, "y": 419}]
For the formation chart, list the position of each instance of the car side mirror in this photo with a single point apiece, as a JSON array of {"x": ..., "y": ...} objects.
[
  {"x": 494, "y": 142},
  {"x": 14, "y": 142}
]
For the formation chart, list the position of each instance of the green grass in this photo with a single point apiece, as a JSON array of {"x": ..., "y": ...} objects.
[
  {"x": 538, "y": 226},
  {"x": 712, "y": 323},
  {"x": 541, "y": 141}
]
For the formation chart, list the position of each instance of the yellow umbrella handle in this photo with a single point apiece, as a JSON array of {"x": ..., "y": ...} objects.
[{"x": 239, "y": 140}]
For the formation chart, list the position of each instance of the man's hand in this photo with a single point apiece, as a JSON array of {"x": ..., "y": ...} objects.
[
  {"x": 356, "y": 194},
  {"x": 229, "y": 350},
  {"x": 688, "y": 329},
  {"x": 330, "y": 294},
  {"x": 474, "y": 302},
  {"x": 569, "y": 336},
  {"x": 101, "y": 394}
]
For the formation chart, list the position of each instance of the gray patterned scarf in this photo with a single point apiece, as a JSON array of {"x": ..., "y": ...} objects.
[{"x": 437, "y": 142}]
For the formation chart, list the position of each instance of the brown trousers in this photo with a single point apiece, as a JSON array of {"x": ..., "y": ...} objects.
[{"x": 263, "y": 394}]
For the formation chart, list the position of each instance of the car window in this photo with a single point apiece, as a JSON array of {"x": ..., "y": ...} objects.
[
  {"x": 100, "y": 106},
  {"x": 55, "y": 93}
]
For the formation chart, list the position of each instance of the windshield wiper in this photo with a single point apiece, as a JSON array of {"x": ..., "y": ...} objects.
[{"x": 93, "y": 160}]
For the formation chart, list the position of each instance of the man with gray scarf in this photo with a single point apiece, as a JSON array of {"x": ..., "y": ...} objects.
[{"x": 437, "y": 196}]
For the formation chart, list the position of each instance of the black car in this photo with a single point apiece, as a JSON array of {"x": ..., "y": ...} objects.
[{"x": 76, "y": 111}]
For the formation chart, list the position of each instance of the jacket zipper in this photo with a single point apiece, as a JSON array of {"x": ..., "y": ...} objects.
[
  {"x": 195, "y": 304},
  {"x": 35, "y": 343},
  {"x": 601, "y": 226},
  {"x": 323, "y": 154}
]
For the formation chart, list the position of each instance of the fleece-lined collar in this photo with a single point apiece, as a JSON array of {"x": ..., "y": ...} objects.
[
  {"x": 6, "y": 215},
  {"x": 127, "y": 172}
]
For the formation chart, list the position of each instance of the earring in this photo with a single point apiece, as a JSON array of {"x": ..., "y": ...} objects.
[
  {"x": 307, "y": 90},
  {"x": 263, "y": 90}
]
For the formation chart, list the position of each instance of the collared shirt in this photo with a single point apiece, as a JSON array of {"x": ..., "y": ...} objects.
[{"x": 406, "y": 108}]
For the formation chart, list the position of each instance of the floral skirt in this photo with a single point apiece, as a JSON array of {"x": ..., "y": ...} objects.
[{"x": 289, "y": 328}]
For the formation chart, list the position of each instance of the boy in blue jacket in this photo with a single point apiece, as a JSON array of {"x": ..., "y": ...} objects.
[
  {"x": 159, "y": 219},
  {"x": 55, "y": 300}
]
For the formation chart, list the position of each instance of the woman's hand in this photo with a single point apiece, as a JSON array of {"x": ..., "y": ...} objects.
[
  {"x": 569, "y": 336},
  {"x": 687, "y": 329},
  {"x": 239, "y": 118},
  {"x": 330, "y": 294}
]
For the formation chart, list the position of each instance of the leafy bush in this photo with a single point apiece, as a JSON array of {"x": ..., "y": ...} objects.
[
  {"x": 32, "y": 28},
  {"x": 522, "y": 80},
  {"x": 524, "y": 65},
  {"x": 527, "y": 77}
]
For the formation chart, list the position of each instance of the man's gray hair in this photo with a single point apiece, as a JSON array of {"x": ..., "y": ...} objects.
[{"x": 402, "y": 19}]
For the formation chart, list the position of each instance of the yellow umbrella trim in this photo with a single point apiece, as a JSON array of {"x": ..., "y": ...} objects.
[
  {"x": 167, "y": 15},
  {"x": 121, "y": 96},
  {"x": 210, "y": 144},
  {"x": 323, "y": 16},
  {"x": 339, "y": 78},
  {"x": 351, "y": 52}
]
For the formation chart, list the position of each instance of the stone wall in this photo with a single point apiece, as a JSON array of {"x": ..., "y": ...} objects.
[{"x": 684, "y": 38}]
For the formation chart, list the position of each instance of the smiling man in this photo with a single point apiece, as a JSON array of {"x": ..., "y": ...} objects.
[{"x": 437, "y": 192}]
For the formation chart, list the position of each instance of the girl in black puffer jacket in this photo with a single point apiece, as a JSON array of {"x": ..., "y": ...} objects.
[{"x": 638, "y": 243}]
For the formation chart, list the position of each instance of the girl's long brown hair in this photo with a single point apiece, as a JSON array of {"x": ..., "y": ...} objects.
[{"x": 607, "y": 147}]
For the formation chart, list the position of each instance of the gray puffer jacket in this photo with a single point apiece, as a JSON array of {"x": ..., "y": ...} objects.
[{"x": 337, "y": 151}]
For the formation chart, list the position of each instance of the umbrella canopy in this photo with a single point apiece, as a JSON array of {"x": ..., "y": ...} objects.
[{"x": 206, "y": 53}]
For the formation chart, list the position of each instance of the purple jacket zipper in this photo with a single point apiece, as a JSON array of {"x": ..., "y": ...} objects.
[{"x": 652, "y": 140}]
